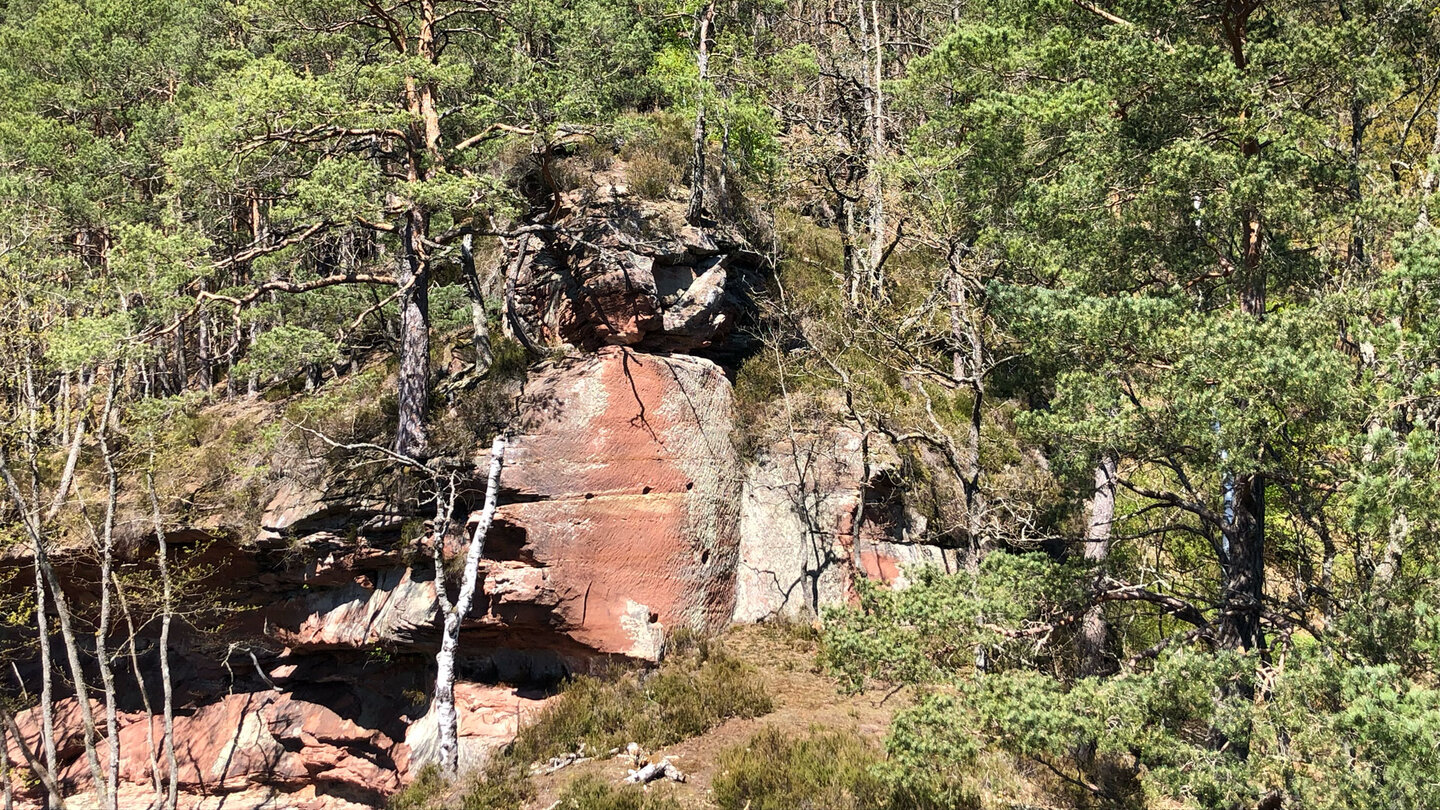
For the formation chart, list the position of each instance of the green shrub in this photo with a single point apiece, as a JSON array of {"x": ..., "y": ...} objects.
[
  {"x": 592, "y": 793},
  {"x": 697, "y": 688},
  {"x": 823, "y": 770},
  {"x": 665, "y": 135}
]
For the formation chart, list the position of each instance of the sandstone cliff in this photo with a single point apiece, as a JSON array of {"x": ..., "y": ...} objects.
[{"x": 627, "y": 513}]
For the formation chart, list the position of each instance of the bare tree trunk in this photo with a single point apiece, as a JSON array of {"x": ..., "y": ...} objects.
[
  {"x": 697, "y": 162},
  {"x": 5, "y": 785},
  {"x": 43, "y": 772},
  {"x": 413, "y": 274},
  {"x": 203, "y": 360},
  {"x": 1243, "y": 567},
  {"x": 853, "y": 271},
  {"x": 484, "y": 356},
  {"x": 64, "y": 416},
  {"x": 512, "y": 323},
  {"x": 182, "y": 373},
  {"x": 102, "y": 627},
  {"x": 414, "y": 385},
  {"x": 134, "y": 649},
  {"x": 166, "y": 612},
  {"x": 968, "y": 367},
  {"x": 252, "y": 383},
  {"x": 46, "y": 577},
  {"x": 443, "y": 703},
  {"x": 47, "y": 682},
  {"x": 1094, "y": 635},
  {"x": 876, "y": 152}
]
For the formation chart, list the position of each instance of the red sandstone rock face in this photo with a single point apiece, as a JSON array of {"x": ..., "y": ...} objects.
[
  {"x": 264, "y": 738},
  {"x": 626, "y": 520}
]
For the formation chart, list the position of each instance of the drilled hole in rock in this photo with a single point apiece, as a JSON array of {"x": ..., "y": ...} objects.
[
  {"x": 704, "y": 557},
  {"x": 654, "y": 617},
  {"x": 589, "y": 495},
  {"x": 689, "y": 485},
  {"x": 645, "y": 491}
]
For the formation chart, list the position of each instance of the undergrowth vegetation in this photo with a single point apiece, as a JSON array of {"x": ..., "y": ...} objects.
[
  {"x": 699, "y": 686},
  {"x": 780, "y": 770},
  {"x": 592, "y": 793}
]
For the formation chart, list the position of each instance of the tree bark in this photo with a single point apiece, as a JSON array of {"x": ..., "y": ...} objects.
[
  {"x": 47, "y": 684},
  {"x": 1094, "y": 633},
  {"x": 5, "y": 769},
  {"x": 46, "y": 578},
  {"x": 968, "y": 368},
  {"x": 166, "y": 612},
  {"x": 413, "y": 277},
  {"x": 43, "y": 772},
  {"x": 102, "y": 627},
  {"x": 1243, "y": 567},
  {"x": 443, "y": 703},
  {"x": 1242, "y": 562},
  {"x": 135, "y": 670},
  {"x": 414, "y": 383},
  {"x": 875, "y": 191},
  {"x": 696, "y": 208},
  {"x": 484, "y": 356}
]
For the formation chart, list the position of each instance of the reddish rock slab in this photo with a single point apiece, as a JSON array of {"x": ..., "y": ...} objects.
[
  {"x": 257, "y": 738},
  {"x": 624, "y": 491}
]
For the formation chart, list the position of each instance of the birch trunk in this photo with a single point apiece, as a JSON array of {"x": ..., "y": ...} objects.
[
  {"x": 47, "y": 683},
  {"x": 5, "y": 768},
  {"x": 102, "y": 628},
  {"x": 134, "y": 649},
  {"x": 44, "y": 773},
  {"x": 45, "y": 577},
  {"x": 447, "y": 721},
  {"x": 172, "y": 780}
]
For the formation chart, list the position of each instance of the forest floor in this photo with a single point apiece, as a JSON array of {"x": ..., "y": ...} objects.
[{"x": 806, "y": 698}]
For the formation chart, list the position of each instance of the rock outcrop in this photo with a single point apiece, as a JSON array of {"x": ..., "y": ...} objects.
[
  {"x": 256, "y": 738},
  {"x": 625, "y": 272},
  {"x": 626, "y": 514},
  {"x": 814, "y": 516}
]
